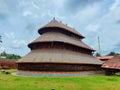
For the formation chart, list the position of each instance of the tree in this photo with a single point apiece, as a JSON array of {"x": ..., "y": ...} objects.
[
  {"x": 112, "y": 53},
  {"x": 10, "y": 56},
  {"x": 13, "y": 56},
  {"x": 97, "y": 54}
]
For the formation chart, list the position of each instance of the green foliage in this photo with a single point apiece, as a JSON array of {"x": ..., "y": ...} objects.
[
  {"x": 10, "y": 56},
  {"x": 97, "y": 54},
  {"x": 13, "y": 56},
  {"x": 112, "y": 54},
  {"x": 93, "y": 82}
]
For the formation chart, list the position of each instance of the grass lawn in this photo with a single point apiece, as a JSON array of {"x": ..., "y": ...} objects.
[{"x": 93, "y": 82}]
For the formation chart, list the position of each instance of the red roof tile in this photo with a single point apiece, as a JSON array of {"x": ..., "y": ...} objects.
[
  {"x": 113, "y": 63},
  {"x": 105, "y": 57}
]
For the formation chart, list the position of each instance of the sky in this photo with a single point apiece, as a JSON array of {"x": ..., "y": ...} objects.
[{"x": 21, "y": 19}]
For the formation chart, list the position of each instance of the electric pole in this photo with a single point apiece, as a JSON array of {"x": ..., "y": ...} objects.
[{"x": 99, "y": 50}]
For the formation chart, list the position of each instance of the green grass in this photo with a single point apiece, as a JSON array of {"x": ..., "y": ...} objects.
[{"x": 93, "y": 82}]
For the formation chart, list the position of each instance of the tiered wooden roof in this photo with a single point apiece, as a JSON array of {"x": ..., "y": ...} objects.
[{"x": 55, "y": 55}]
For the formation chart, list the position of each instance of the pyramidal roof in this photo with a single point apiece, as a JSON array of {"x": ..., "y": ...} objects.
[
  {"x": 56, "y": 55},
  {"x": 55, "y": 23}
]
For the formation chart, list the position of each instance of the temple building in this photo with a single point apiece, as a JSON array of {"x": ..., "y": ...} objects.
[
  {"x": 112, "y": 66},
  {"x": 104, "y": 58},
  {"x": 59, "y": 48}
]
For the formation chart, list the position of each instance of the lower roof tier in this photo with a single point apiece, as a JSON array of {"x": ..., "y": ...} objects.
[{"x": 58, "y": 56}]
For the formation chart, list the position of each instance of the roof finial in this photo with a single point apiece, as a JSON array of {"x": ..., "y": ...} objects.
[{"x": 53, "y": 18}]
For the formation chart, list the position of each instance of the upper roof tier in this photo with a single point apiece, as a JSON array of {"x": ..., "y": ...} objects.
[{"x": 56, "y": 24}]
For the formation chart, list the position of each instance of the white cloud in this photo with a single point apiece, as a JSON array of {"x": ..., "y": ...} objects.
[
  {"x": 3, "y": 7},
  {"x": 115, "y": 5},
  {"x": 88, "y": 13},
  {"x": 10, "y": 35},
  {"x": 91, "y": 20},
  {"x": 2, "y": 49},
  {"x": 92, "y": 27},
  {"x": 58, "y": 3},
  {"x": 13, "y": 41},
  {"x": 18, "y": 44},
  {"x": 35, "y": 6},
  {"x": 114, "y": 12},
  {"x": 27, "y": 13},
  {"x": 109, "y": 30}
]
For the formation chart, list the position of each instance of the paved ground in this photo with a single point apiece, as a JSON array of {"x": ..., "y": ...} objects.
[{"x": 36, "y": 74}]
